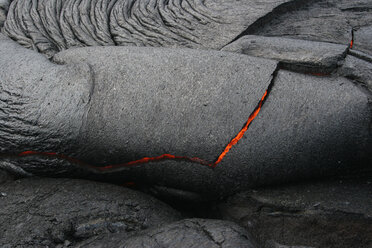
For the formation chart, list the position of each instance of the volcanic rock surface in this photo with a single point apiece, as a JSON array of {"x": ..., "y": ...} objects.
[
  {"x": 47, "y": 212},
  {"x": 359, "y": 70},
  {"x": 317, "y": 20},
  {"x": 84, "y": 104},
  {"x": 292, "y": 53},
  {"x": 116, "y": 105},
  {"x": 66, "y": 212},
  {"x": 5, "y": 176},
  {"x": 330, "y": 214},
  {"x": 187, "y": 233},
  {"x": 52, "y": 26},
  {"x": 362, "y": 39}
]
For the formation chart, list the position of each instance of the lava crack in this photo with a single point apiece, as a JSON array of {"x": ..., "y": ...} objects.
[{"x": 163, "y": 157}]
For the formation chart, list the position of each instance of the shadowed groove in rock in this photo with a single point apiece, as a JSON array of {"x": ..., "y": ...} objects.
[
  {"x": 293, "y": 54},
  {"x": 281, "y": 9}
]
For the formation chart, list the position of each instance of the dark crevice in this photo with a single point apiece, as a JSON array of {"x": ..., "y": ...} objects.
[
  {"x": 109, "y": 18},
  {"x": 279, "y": 10},
  {"x": 352, "y": 38},
  {"x": 208, "y": 234},
  {"x": 308, "y": 69},
  {"x": 357, "y": 9},
  {"x": 360, "y": 55}
]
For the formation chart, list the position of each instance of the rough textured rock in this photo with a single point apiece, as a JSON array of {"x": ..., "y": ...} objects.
[
  {"x": 5, "y": 177},
  {"x": 184, "y": 234},
  {"x": 358, "y": 70},
  {"x": 360, "y": 55},
  {"x": 91, "y": 112},
  {"x": 321, "y": 20},
  {"x": 318, "y": 214},
  {"x": 129, "y": 103},
  {"x": 4, "y": 5},
  {"x": 51, "y": 26},
  {"x": 47, "y": 212},
  {"x": 293, "y": 53},
  {"x": 312, "y": 122},
  {"x": 273, "y": 244},
  {"x": 33, "y": 91},
  {"x": 184, "y": 90},
  {"x": 363, "y": 39},
  {"x": 181, "y": 102}
]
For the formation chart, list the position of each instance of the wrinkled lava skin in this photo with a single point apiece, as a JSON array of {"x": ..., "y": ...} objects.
[
  {"x": 112, "y": 105},
  {"x": 52, "y": 26}
]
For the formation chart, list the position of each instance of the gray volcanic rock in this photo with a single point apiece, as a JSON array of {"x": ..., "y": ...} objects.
[
  {"x": 129, "y": 103},
  {"x": 293, "y": 113},
  {"x": 52, "y": 26},
  {"x": 4, "y": 5},
  {"x": 293, "y": 53},
  {"x": 320, "y": 20},
  {"x": 5, "y": 177},
  {"x": 333, "y": 214},
  {"x": 361, "y": 55},
  {"x": 363, "y": 39},
  {"x": 317, "y": 124},
  {"x": 183, "y": 234},
  {"x": 47, "y": 212},
  {"x": 182, "y": 102},
  {"x": 143, "y": 102},
  {"x": 35, "y": 114},
  {"x": 359, "y": 70},
  {"x": 273, "y": 244}
]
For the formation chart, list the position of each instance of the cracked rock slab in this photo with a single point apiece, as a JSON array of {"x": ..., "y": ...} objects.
[
  {"x": 177, "y": 101},
  {"x": 317, "y": 214},
  {"x": 106, "y": 106},
  {"x": 293, "y": 53},
  {"x": 47, "y": 212},
  {"x": 188, "y": 233},
  {"x": 317, "y": 125},
  {"x": 143, "y": 102}
]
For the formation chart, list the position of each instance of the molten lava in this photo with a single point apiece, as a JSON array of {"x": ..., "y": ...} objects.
[
  {"x": 155, "y": 159},
  {"x": 144, "y": 160},
  {"x": 240, "y": 135}
]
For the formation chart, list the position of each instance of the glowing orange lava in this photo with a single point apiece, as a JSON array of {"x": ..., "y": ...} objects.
[
  {"x": 240, "y": 135},
  {"x": 351, "y": 44},
  {"x": 144, "y": 160}
]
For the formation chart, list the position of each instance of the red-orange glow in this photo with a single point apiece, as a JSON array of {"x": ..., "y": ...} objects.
[
  {"x": 37, "y": 153},
  {"x": 129, "y": 184},
  {"x": 108, "y": 167},
  {"x": 144, "y": 160},
  {"x": 319, "y": 74},
  {"x": 351, "y": 44},
  {"x": 240, "y": 135},
  {"x": 155, "y": 159}
]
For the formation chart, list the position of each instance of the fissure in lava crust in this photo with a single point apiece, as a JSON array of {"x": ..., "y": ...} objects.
[
  {"x": 352, "y": 39},
  {"x": 144, "y": 160}
]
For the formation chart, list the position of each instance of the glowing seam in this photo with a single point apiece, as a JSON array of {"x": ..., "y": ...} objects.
[{"x": 233, "y": 142}]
